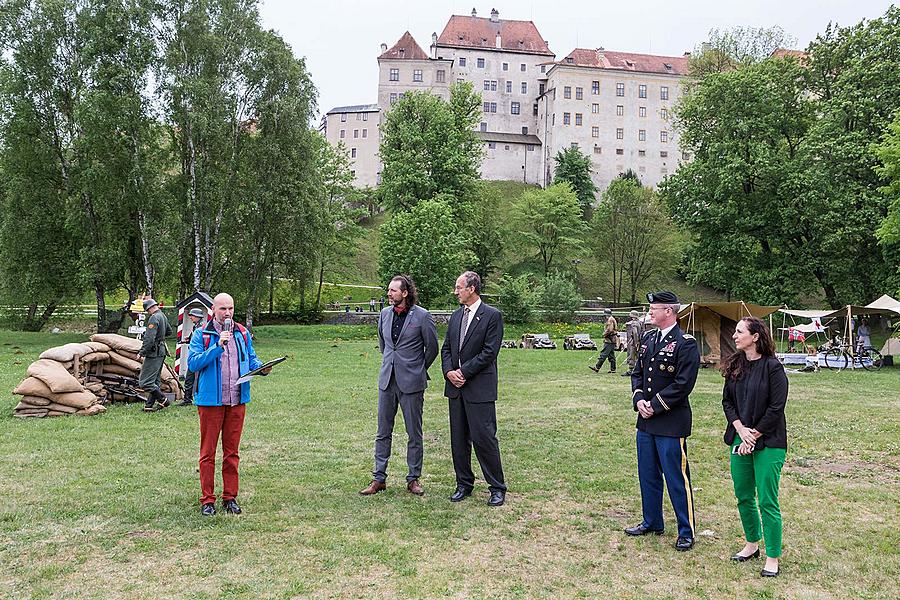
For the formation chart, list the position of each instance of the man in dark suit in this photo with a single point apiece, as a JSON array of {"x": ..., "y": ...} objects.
[
  {"x": 469, "y": 363},
  {"x": 408, "y": 341},
  {"x": 662, "y": 378}
]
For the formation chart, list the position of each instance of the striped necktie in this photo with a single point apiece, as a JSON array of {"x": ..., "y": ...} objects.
[{"x": 463, "y": 326}]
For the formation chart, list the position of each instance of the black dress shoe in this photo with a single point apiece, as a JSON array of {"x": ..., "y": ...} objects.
[
  {"x": 739, "y": 558},
  {"x": 639, "y": 529},
  {"x": 230, "y": 506},
  {"x": 765, "y": 573},
  {"x": 208, "y": 510},
  {"x": 497, "y": 499},
  {"x": 593, "y": 368},
  {"x": 684, "y": 543},
  {"x": 460, "y": 494}
]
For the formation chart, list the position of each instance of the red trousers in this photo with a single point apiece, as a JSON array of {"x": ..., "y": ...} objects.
[{"x": 229, "y": 421}]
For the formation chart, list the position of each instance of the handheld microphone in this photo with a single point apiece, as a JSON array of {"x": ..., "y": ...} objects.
[{"x": 227, "y": 325}]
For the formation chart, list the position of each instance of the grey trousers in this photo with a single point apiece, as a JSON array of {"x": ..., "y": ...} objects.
[
  {"x": 411, "y": 405},
  {"x": 149, "y": 379},
  {"x": 608, "y": 351}
]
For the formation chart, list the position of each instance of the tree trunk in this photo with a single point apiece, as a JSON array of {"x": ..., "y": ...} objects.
[
  {"x": 145, "y": 252},
  {"x": 319, "y": 290},
  {"x": 101, "y": 307},
  {"x": 271, "y": 286}
]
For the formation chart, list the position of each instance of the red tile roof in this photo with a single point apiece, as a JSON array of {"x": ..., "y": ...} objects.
[
  {"x": 406, "y": 48},
  {"x": 480, "y": 32},
  {"x": 626, "y": 61},
  {"x": 783, "y": 52}
]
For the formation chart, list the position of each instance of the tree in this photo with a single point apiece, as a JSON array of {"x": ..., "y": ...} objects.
[
  {"x": 515, "y": 298},
  {"x": 744, "y": 197},
  {"x": 483, "y": 230},
  {"x": 633, "y": 238},
  {"x": 559, "y": 298},
  {"x": 77, "y": 86},
  {"x": 429, "y": 147},
  {"x": 340, "y": 232},
  {"x": 574, "y": 167},
  {"x": 549, "y": 222},
  {"x": 424, "y": 243},
  {"x": 737, "y": 47},
  {"x": 888, "y": 152},
  {"x": 277, "y": 202}
]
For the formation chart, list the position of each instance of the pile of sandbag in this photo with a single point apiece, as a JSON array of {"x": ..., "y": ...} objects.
[{"x": 80, "y": 378}]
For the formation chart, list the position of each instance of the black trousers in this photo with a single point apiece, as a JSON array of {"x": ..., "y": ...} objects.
[{"x": 475, "y": 425}]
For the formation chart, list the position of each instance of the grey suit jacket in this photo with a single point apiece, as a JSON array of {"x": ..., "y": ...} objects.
[{"x": 416, "y": 349}]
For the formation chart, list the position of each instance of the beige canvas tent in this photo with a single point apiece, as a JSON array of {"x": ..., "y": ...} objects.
[{"x": 713, "y": 323}]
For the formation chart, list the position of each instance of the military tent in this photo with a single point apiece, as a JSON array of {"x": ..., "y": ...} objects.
[{"x": 713, "y": 323}]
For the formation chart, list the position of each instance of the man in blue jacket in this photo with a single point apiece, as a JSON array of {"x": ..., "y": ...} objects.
[{"x": 221, "y": 353}]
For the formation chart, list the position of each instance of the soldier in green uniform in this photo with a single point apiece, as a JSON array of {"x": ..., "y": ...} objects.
[{"x": 154, "y": 352}]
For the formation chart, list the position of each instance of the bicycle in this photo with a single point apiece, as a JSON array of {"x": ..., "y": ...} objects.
[{"x": 838, "y": 355}]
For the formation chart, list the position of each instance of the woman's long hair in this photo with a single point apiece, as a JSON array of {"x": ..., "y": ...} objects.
[{"x": 737, "y": 364}]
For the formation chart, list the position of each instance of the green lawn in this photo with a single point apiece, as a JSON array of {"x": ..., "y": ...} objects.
[{"x": 107, "y": 506}]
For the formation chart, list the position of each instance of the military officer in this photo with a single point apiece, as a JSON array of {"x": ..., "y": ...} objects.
[
  {"x": 154, "y": 352},
  {"x": 663, "y": 377}
]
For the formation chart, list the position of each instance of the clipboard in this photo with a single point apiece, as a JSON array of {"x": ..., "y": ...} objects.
[{"x": 255, "y": 372}]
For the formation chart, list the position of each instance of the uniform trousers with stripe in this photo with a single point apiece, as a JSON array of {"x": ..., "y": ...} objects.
[{"x": 658, "y": 457}]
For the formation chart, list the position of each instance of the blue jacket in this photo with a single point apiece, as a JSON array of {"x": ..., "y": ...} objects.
[{"x": 204, "y": 361}]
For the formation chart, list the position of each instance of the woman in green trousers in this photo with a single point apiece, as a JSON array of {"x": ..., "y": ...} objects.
[{"x": 754, "y": 397}]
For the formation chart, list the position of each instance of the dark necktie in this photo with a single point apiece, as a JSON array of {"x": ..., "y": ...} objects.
[{"x": 462, "y": 327}]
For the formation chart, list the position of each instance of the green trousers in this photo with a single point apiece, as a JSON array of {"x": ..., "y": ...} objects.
[
  {"x": 149, "y": 379},
  {"x": 756, "y": 476}
]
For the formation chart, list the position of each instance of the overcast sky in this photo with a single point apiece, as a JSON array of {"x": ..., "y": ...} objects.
[{"x": 340, "y": 39}]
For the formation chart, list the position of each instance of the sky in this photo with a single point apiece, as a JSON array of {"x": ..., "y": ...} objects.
[{"x": 340, "y": 39}]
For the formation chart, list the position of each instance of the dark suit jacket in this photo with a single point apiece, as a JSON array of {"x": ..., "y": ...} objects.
[
  {"x": 665, "y": 374},
  {"x": 416, "y": 348},
  {"x": 478, "y": 356},
  {"x": 757, "y": 400}
]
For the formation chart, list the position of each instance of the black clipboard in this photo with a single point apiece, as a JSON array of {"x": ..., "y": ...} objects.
[{"x": 246, "y": 377}]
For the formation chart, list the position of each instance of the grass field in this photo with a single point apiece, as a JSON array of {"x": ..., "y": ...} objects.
[{"x": 106, "y": 507}]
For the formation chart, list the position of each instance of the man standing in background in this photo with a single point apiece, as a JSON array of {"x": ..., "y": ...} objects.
[
  {"x": 610, "y": 340},
  {"x": 154, "y": 352}
]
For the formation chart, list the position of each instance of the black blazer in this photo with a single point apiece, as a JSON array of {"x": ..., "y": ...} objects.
[
  {"x": 665, "y": 374},
  {"x": 758, "y": 401},
  {"x": 478, "y": 356}
]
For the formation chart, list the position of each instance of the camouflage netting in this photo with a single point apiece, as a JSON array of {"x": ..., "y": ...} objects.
[{"x": 79, "y": 379}]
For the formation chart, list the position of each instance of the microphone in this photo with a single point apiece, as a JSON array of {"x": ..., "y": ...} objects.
[{"x": 227, "y": 325}]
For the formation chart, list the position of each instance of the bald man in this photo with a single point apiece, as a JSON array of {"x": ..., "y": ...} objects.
[{"x": 219, "y": 355}]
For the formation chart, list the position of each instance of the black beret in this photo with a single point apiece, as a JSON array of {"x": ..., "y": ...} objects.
[{"x": 662, "y": 298}]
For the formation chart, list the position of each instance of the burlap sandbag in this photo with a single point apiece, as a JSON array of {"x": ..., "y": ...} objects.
[
  {"x": 35, "y": 387},
  {"x": 94, "y": 386},
  {"x": 117, "y": 359},
  {"x": 35, "y": 401},
  {"x": 118, "y": 342},
  {"x": 62, "y": 408},
  {"x": 26, "y": 406},
  {"x": 56, "y": 413},
  {"x": 66, "y": 352},
  {"x": 27, "y": 414},
  {"x": 96, "y": 409},
  {"x": 97, "y": 346},
  {"x": 114, "y": 369},
  {"x": 131, "y": 355},
  {"x": 94, "y": 357},
  {"x": 57, "y": 378}
]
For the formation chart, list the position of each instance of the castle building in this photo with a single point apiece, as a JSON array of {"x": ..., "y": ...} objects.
[{"x": 614, "y": 106}]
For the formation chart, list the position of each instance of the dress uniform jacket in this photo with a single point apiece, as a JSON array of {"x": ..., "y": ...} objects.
[{"x": 665, "y": 374}]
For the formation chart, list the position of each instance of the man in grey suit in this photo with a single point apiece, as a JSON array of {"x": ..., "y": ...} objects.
[
  {"x": 469, "y": 363},
  {"x": 408, "y": 341}
]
